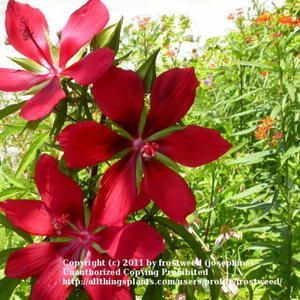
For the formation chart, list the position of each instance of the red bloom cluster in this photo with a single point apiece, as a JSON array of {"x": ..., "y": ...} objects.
[
  {"x": 27, "y": 32},
  {"x": 61, "y": 214},
  {"x": 264, "y": 128},
  {"x": 88, "y": 143},
  {"x": 289, "y": 20},
  {"x": 263, "y": 18}
]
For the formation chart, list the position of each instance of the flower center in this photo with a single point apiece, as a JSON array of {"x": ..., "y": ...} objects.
[
  {"x": 85, "y": 237},
  {"x": 148, "y": 150},
  {"x": 59, "y": 223}
]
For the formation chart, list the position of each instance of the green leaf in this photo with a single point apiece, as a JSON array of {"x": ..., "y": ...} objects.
[
  {"x": 109, "y": 37},
  {"x": 10, "y": 130},
  {"x": 31, "y": 153},
  {"x": 253, "y": 190},
  {"x": 167, "y": 161},
  {"x": 290, "y": 152},
  {"x": 147, "y": 71},
  {"x": 32, "y": 125},
  {"x": 259, "y": 205},
  {"x": 256, "y": 64},
  {"x": 276, "y": 110},
  {"x": 60, "y": 118},
  {"x": 251, "y": 158},
  {"x": 139, "y": 173},
  {"x": 13, "y": 180},
  {"x": 165, "y": 132},
  {"x": 153, "y": 292},
  {"x": 28, "y": 64},
  {"x": 10, "y": 109},
  {"x": 4, "y": 255},
  {"x": 7, "y": 224},
  {"x": 10, "y": 193},
  {"x": 7, "y": 287},
  {"x": 123, "y": 58},
  {"x": 213, "y": 272}
]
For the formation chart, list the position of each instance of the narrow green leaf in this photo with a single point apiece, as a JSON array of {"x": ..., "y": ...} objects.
[
  {"x": 118, "y": 61},
  {"x": 213, "y": 272},
  {"x": 290, "y": 152},
  {"x": 7, "y": 224},
  {"x": 10, "y": 109},
  {"x": 109, "y": 37},
  {"x": 147, "y": 71},
  {"x": 248, "y": 192},
  {"x": 167, "y": 161},
  {"x": 251, "y": 158},
  {"x": 10, "y": 193},
  {"x": 256, "y": 64},
  {"x": 60, "y": 118},
  {"x": 31, "y": 153},
  {"x": 163, "y": 133},
  {"x": 4, "y": 255},
  {"x": 139, "y": 173},
  {"x": 13, "y": 180},
  {"x": 7, "y": 287},
  {"x": 27, "y": 64},
  {"x": 276, "y": 110}
]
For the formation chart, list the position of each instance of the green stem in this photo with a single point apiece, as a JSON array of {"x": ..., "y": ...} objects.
[
  {"x": 93, "y": 175},
  {"x": 210, "y": 205}
]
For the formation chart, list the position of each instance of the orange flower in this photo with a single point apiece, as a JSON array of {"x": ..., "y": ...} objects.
[
  {"x": 249, "y": 39},
  {"x": 297, "y": 23},
  {"x": 263, "y": 18},
  {"x": 268, "y": 121},
  {"x": 171, "y": 53},
  {"x": 276, "y": 34},
  {"x": 143, "y": 22},
  {"x": 264, "y": 128},
  {"x": 230, "y": 17},
  {"x": 264, "y": 73},
  {"x": 286, "y": 20},
  {"x": 277, "y": 135},
  {"x": 261, "y": 133}
]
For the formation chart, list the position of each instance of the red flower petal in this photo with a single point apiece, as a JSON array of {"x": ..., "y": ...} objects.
[
  {"x": 92, "y": 67},
  {"x": 29, "y": 215},
  {"x": 52, "y": 284},
  {"x": 104, "y": 291},
  {"x": 194, "y": 146},
  {"x": 81, "y": 27},
  {"x": 43, "y": 102},
  {"x": 32, "y": 260},
  {"x": 172, "y": 95},
  {"x": 120, "y": 96},
  {"x": 169, "y": 191},
  {"x": 26, "y": 29},
  {"x": 117, "y": 194},
  {"x": 19, "y": 80},
  {"x": 88, "y": 143},
  {"x": 60, "y": 193},
  {"x": 142, "y": 200},
  {"x": 125, "y": 242}
]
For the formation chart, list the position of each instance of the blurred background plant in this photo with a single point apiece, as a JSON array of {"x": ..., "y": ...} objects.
[{"x": 248, "y": 202}]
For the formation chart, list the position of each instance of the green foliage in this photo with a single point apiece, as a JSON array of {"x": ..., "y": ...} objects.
[{"x": 247, "y": 76}]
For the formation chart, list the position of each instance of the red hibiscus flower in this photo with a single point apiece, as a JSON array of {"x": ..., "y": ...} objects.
[
  {"x": 27, "y": 31},
  {"x": 61, "y": 214},
  {"x": 120, "y": 96}
]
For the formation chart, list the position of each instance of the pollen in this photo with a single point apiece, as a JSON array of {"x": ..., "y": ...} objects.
[
  {"x": 149, "y": 150},
  {"x": 27, "y": 33},
  {"x": 59, "y": 223}
]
